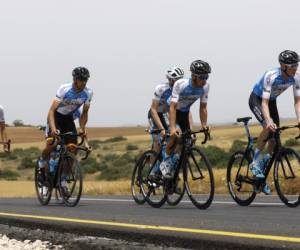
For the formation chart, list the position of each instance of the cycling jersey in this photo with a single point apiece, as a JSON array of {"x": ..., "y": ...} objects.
[
  {"x": 162, "y": 94},
  {"x": 184, "y": 94},
  {"x": 2, "y": 114},
  {"x": 272, "y": 84},
  {"x": 70, "y": 100}
]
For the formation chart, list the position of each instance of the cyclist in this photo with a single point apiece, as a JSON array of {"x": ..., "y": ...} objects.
[
  {"x": 2, "y": 129},
  {"x": 262, "y": 103},
  {"x": 158, "y": 117},
  {"x": 185, "y": 92},
  {"x": 65, "y": 108}
]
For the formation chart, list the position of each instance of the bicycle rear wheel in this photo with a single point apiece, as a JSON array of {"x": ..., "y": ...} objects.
[
  {"x": 43, "y": 187},
  {"x": 239, "y": 178},
  {"x": 70, "y": 180},
  {"x": 199, "y": 179},
  {"x": 178, "y": 188},
  {"x": 287, "y": 177},
  {"x": 152, "y": 190}
]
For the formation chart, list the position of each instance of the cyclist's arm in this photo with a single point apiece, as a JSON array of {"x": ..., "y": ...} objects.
[
  {"x": 84, "y": 118},
  {"x": 154, "y": 114},
  {"x": 51, "y": 118},
  {"x": 297, "y": 108},
  {"x": 203, "y": 114},
  {"x": 296, "y": 90}
]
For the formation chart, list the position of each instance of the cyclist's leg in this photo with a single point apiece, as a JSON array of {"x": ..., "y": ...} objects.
[
  {"x": 275, "y": 117},
  {"x": 3, "y": 134},
  {"x": 256, "y": 108}
]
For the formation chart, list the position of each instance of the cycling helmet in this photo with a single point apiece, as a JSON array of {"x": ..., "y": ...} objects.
[
  {"x": 175, "y": 73},
  {"x": 288, "y": 57},
  {"x": 81, "y": 73},
  {"x": 200, "y": 67}
]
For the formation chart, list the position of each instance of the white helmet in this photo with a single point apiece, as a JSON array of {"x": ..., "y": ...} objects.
[{"x": 175, "y": 73}]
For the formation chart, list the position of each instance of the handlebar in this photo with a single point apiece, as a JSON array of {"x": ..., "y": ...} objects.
[
  {"x": 205, "y": 131},
  {"x": 279, "y": 129}
]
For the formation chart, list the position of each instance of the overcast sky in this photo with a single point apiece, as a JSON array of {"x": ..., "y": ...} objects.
[{"x": 129, "y": 45}]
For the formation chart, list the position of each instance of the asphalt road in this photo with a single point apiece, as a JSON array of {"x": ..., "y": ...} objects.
[{"x": 267, "y": 223}]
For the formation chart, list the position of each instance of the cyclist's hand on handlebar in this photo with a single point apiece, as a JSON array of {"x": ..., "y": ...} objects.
[
  {"x": 174, "y": 132},
  {"x": 54, "y": 132},
  {"x": 271, "y": 126},
  {"x": 163, "y": 133},
  {"x": 82, "y": 132}
]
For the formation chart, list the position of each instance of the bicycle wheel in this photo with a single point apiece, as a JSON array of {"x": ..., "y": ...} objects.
[
  {"x": 43, "y": 187},
  {"x": 178, "y": 188},
  {"x": 287, "y": 177},
  {"x": 152, "y": 190},
  {"x": 239, "y": 179},
  {"x": 136, "y": 189},
  {"x": 70, "y": 180},
  {"x": 199, "y": 179}
]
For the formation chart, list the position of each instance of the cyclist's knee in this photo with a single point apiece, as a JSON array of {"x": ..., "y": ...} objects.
[{"x": 71, "y": 147}]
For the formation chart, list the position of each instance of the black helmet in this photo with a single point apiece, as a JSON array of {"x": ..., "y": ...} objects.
[
  {"x": 81, "y": 73},
  {"x": 288, "y": 57},
  {"x": 199, "y": 67}
]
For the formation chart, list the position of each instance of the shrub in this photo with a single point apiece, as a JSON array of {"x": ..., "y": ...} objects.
[
  {"x": 94, "y": 143},
  {"x": 115, "y": 139},
  {"x": 217, "y": 156},
  {"x": 26, "y": 162},
  {"x": 237, "y": 145},
  {"x": 8, "y": 174},
  {"x": 90, "y": 165},
  {"x": 291, "y": 142},
  {"x": 131, "y": 147}
]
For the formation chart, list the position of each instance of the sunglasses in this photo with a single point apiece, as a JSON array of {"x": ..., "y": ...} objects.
[
  {"x": 292, "y": 66},
  {"x": 202, "y": 76}
]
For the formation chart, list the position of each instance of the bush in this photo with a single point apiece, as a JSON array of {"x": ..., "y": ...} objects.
[
  {"x": 131, "y": 147},
  {"x": 90, "y": 165},
  {"x": 8, "y": 174},
  {"x": 26, "y": 162},
  {"x": 94, "y": 143},
  {"x": 237, "y": 145},
  {"x": 291, "y": 143},
  {"x": 115, "y": 139},
  {"x": 217, "y": 156}
]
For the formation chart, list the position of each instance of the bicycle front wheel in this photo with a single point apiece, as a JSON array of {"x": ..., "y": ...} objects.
[
  {"x": 70, "y": 180},
  {"x": 199, "y": 179},
  {"x": 287, "y": 177},
  {"x": 239, "y": 179}
]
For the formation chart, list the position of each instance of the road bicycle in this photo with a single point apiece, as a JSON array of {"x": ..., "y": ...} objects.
[
  {"x": 193, "y": 173},
  {"x": 243, "y": 186},
  {"x": 66, "y": 179}
]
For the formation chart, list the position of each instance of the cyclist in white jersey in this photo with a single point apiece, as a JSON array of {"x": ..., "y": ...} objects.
[
  {"x": 65, "y": 108},
  {"x": 185, "y": 92},
  {"x": 158, "y": 116},
  {"x": 3, "y": 129},
  {"x": 262, "y": 103}
]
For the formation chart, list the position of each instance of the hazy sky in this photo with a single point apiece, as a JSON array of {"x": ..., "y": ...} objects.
[{"x": 128, "y": 46}]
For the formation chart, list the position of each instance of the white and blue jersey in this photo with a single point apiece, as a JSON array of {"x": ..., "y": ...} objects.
[
  {"x": 184, "y": 94},
  {"x": 272, "y": 84},
  {"x": 162, "y": 93},
  {"x": 71, "y": 101}
]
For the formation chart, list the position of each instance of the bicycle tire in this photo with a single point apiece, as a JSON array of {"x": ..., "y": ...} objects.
[
  {"x": 205, "y": 178},
  {"x": 39, "y": 188},
  {"x": 235, "y": 187},
  {"x": 66, "y": 176},
  {"x": 290, "y": 171},
  {"x": 154, "y": 192}
]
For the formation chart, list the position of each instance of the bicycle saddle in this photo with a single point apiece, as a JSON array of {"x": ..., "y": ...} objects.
[{"x": 244, "y": 119}]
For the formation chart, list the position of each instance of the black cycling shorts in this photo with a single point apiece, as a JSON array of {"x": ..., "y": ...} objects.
[
  {"x": 182, "y": 120},
  {"x": 65, "y": 124},
  {"x": 255, "y": 106},
  {"x": 164, "y": 119}
]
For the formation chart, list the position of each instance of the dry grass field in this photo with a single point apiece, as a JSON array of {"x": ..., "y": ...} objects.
[{"x": 223, "y": 136}]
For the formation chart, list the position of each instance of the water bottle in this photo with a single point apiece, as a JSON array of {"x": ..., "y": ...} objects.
[
  {"x": 52, "y": 163},
  {"x": 265, "y": 160},
  {"x": 175, "y": 159}
]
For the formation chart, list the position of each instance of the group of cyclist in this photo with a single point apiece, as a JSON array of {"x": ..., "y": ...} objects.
[{"x": 170, "y": 109}]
